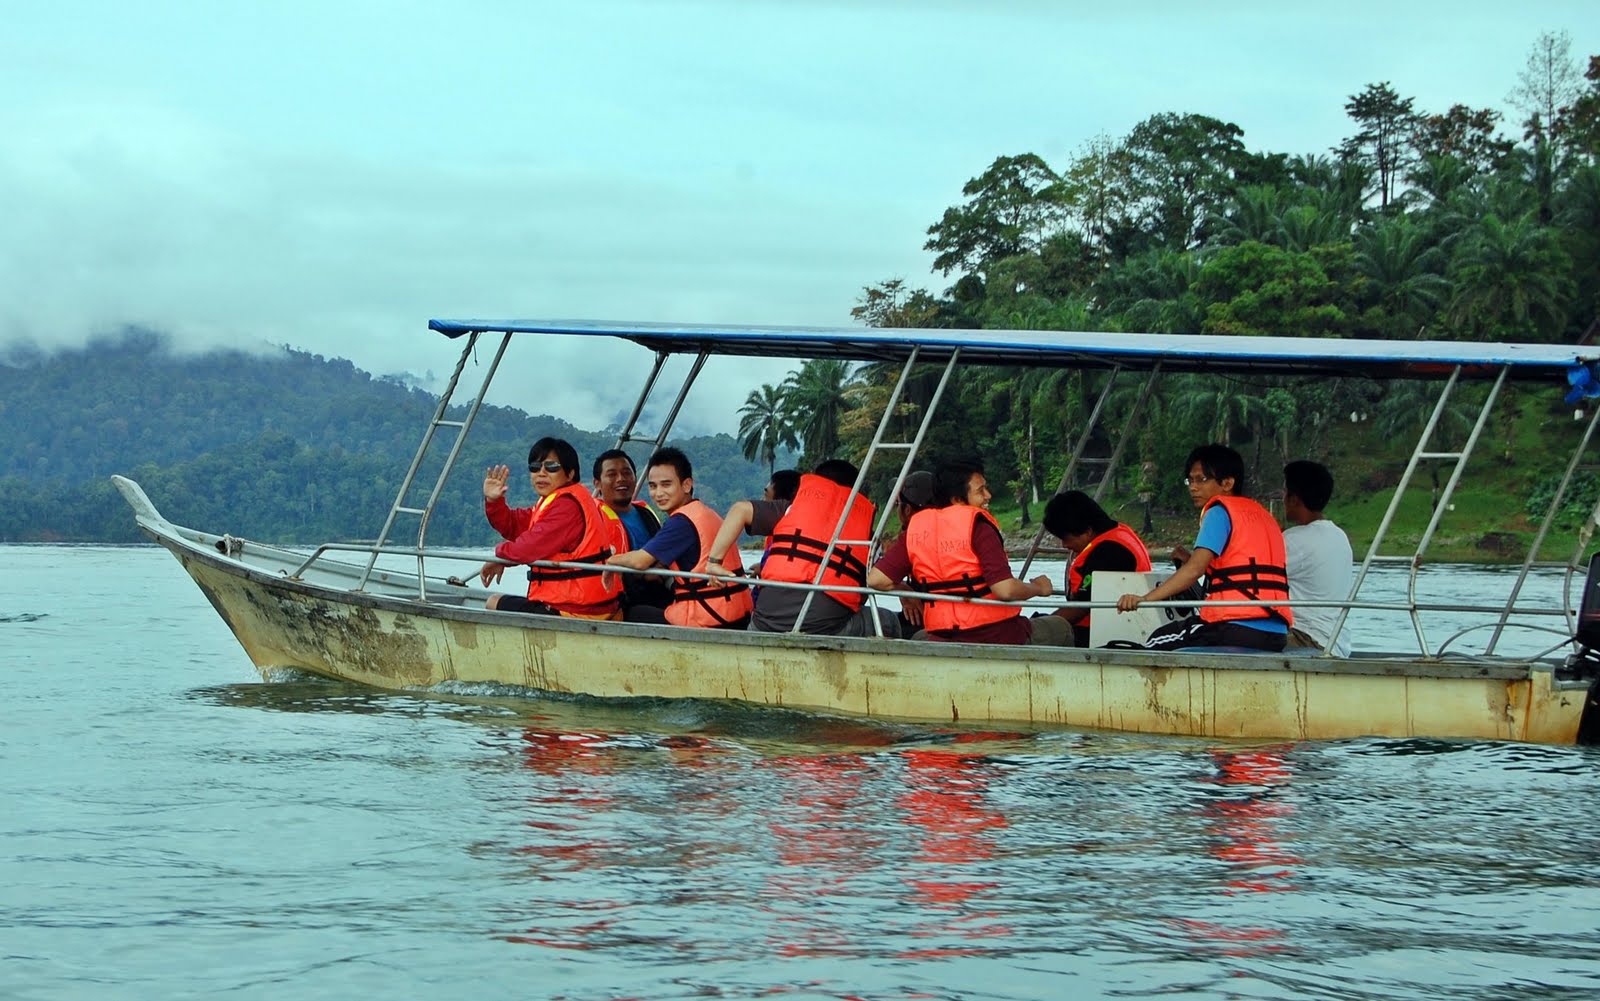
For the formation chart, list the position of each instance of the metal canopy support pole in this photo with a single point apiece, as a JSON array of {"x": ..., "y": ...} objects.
[
  {"x": 626, "y": 434},
  {"x": 866, "y": 463},
  {"x": 1417, "y": 452},
  {"x": 399, "y": 506},
  {"x": 1111, "y": 464},
  {"x": 683, "y": 393},
  {"x": 1443, "y": 505},
  {"x": 464, "y": 426},
  {"x": 1072, "y": 462},
  {"x": 1544, "y": 528}
]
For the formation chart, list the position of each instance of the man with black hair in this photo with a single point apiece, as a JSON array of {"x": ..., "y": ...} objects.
[
  {"x": 684, "y": 543},
  {"x": 1320, "y": 561},
  {"x": 615, "y": 484},
  {"x": 798, "y": 532},
  {"x": 956, "y": 549},
  {"x": 1240, "y": 553},
  {"x": 566, "y": 525},
  {"x": 782, "y": 485},
  {"x": 1098, "y": 542}
]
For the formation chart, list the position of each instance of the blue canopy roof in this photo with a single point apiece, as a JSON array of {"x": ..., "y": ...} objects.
[{"x": 1077, "y": 349}]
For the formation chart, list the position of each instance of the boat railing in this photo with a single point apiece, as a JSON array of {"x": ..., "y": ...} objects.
[{"x": 1410, "y": 607}]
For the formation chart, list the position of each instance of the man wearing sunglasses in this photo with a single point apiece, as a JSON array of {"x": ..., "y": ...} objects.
[{"x": 567, "y": 525}]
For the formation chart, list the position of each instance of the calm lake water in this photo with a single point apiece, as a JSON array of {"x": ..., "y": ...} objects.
[{"x": 171, "y": 827}]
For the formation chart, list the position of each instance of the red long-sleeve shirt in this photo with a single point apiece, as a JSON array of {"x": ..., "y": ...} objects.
[{"x": 559, "y": 530}]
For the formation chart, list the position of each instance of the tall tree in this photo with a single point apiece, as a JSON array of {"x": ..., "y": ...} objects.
[
  {"x": 1010, "y": 209},
  {"x": 764, "y": 425},
  {"x": 1577, "y": 126},
  {"x": 1182, "y": 169},
  {"x": 1097, "y": 188},
  {"x": 1467, "y": 134},
  {"x": 1549, "y": 81},
  {"x": 1382, "y": 142}
]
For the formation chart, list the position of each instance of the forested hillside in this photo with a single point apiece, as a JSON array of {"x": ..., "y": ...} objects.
[{"x": 287, "y": 446}]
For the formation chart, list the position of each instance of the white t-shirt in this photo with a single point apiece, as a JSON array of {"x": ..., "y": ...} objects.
[{"x": 1320, "y": 569}]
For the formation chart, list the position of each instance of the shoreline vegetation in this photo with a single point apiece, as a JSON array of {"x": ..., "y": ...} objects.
[{"x": 1421, "y": 223}]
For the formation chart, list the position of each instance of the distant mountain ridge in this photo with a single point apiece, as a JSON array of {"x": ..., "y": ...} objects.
[{"x": 290, "y": 447}]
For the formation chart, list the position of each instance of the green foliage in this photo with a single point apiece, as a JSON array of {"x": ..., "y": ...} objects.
[
  {"x": 1581, "y": 496},
  {"x": 1254, "y": 288}
]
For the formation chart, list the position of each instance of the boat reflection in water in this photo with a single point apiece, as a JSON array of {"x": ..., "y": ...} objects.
[
  {"x": 947, "y": 801},
  {"x": 585, "y": 825},
  {"x": 804, "y": 846},
  {"x": 1242, "y": 819}
]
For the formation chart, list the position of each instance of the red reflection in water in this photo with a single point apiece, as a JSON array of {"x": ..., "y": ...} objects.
[
  {"x": 1244, "y": 822},
  {"x": 577, "y": 760},
  {"x": 822, "y": 846},
  {"x": 945, "y": 798},
  {"x": 1247, "y": 823}
]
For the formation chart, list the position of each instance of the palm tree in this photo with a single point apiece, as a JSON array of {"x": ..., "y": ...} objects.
[
  {"x": 1404, "y": 271},
  {"x": 764, "y": 425},
  {"x": 1511, "y": 280},
  {"x": 816, "y": 397},
  {"x": 1253, "y": 215}
]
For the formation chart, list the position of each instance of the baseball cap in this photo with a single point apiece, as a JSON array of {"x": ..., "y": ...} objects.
[{"x": 918, "y": 489}]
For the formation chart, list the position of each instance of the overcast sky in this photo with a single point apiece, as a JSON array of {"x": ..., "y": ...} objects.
[{"x": 331, "y": 175}]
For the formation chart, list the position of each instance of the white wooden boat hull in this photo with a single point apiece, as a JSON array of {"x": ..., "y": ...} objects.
[{"x": 382, "y": 638}]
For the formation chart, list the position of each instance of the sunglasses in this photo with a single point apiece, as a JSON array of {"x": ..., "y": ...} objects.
[{"x": 550, "y": 466}]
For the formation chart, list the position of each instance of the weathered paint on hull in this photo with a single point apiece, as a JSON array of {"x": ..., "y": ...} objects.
[{"x": 388, "y": 642}]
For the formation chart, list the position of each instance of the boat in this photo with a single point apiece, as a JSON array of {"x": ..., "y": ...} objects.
[{"x": 386, "y": 613}]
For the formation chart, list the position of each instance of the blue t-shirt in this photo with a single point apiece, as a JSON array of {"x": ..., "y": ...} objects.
[
  {"x": 678, "y": 543},
  {"x": 639, "y": 530},
  {"x": 1215, "y": 528}
]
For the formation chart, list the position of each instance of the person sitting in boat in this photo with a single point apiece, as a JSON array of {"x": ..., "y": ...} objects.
[
  {"x": 1320, "y": 561},
  {"x": 956, "y": 548},
  {"x": 684, "y": 543},
  {"x": 916, "y": 494},
  {"x": 566, "y": 525},
  {"x": 1240, "y": 553},
  {"x": 782, "y": 485},
  {"x": 615, "y": 483},
  {"x": 1099, "y": 542},
  {"x": 798, "y": 532}
]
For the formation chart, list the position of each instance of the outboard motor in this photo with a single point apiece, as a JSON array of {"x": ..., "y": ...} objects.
[{"x": 1584, "y": 663}]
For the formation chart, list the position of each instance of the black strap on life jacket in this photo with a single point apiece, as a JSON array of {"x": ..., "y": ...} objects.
[
  {"x": 1248, "y": 581},
  {"x": 703, "y": 592},
  {"x": 796, "y": 546},
  {"x": 970, "y": 586},
  {"x": 545, "y": 574}
]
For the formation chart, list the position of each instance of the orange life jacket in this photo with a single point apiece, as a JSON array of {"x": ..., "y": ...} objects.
[
  {"x": 1123, "y": 536},
  {"x": 602, "y": 537},
  {"x": 1249, "y": 568},
  {"x": 707, "y": 603},
  {"x": 939, "y": 543},
  {"x": 798, "y": 540}
]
